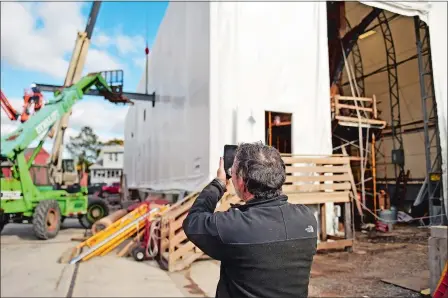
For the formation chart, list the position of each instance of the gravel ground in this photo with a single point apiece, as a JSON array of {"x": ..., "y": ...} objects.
[{"x": 400, "y": 253}]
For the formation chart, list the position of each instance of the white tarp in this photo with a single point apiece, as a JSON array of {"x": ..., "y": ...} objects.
[{"x": 435, "y": 16}]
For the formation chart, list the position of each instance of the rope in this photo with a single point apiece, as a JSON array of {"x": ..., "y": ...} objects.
[
  {"x": 360, "y": 135},
  {"x": 153, "y": 240}
]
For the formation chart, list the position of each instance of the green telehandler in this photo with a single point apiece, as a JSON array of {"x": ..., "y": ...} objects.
[{"x": 47, "y": 206}]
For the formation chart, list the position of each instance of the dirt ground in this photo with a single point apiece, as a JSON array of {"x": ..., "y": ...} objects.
[{"x": 400, "y": 253}]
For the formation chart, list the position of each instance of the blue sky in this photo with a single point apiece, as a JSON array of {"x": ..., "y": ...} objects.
[{"x": 37, "y": 40}]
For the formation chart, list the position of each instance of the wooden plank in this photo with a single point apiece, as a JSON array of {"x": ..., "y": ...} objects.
[
  {"x": 323, "y": 222},
  {"x": 181, "y": 251},
  {"x": 178, "y": 238},
  {"x": 348, "y": 229},
  {"x": 362, "y": 120},
  {"x": 318, "y": 169},
  {"x": 338, "y": 97},
  {"x": 191, "y": 196},
  {"x": 345, "y": 106},
  {"x": 316, "y": 187},
  {"x": 341, "y": 244},
  {"x": 375, "y": 110},
  {"x": 184, "y": 263},
  {"x": 171, "y": 236},
  {"x": 177, "y": 224},
  {"x": 416, "y": 283},
  {"x": 320, "y": 178},
  {"x": 182, "y": 209},
  {"x": 316, "y": 160},
  {"x": 313, "y": 155},
  {"x": 318, "y": 198}
]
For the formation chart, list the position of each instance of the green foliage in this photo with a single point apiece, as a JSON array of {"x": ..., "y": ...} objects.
[
  {"x": 85, "y": 147},
  {"x": 114, "y": 142}
]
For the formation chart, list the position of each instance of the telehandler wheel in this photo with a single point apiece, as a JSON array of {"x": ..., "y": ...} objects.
[
  {"x": 47, "y": 219},
  {"x": 96, "y": 210},
  {"x": 3, "y": 221}
]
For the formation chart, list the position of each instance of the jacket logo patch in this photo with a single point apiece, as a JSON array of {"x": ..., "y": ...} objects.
[{"x": 309, "y": 229}]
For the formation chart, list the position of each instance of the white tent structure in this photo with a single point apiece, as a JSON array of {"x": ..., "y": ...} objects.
[{"x": 217, "y": 67}]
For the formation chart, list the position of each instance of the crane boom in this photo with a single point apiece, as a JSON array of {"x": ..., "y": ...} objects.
[{"x": 73, "y": 75}]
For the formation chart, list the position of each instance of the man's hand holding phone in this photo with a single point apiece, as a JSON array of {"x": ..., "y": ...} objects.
[{"x": 221, "y": 173}]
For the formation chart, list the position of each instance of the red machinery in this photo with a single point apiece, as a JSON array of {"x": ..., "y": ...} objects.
[
  {"x": 8, "y": 108},
  {"x": 30, "y": 97}
]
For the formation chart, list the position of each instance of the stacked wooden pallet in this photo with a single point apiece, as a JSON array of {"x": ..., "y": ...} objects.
[{"x": 176, "y": 251}]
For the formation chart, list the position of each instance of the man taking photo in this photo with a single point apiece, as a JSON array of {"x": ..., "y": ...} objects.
[{"x": 265, "y": 246}]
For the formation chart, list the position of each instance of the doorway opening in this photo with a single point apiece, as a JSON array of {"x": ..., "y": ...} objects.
[{"x": 279, "y": 131}]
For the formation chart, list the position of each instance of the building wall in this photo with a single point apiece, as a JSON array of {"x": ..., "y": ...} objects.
[
  {"x": 38, "y": 174},
  {"x": 167, "y": 147},
  {"x": 105, "y": 175},
  {"x": 109, "y": 167}
]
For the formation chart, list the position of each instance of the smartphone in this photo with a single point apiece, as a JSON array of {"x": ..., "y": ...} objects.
[{"x": 229, "y": 156}]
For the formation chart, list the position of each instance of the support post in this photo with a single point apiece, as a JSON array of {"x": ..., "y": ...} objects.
[{"x": 429, "y": 110}]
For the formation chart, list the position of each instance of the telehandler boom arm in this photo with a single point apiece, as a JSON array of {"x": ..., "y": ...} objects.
[{"x": 41, "y": 123}]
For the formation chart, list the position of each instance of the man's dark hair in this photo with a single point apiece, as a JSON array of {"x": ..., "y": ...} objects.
[{"x": 261, "y": 168}]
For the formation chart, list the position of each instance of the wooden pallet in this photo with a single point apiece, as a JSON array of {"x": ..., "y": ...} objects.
[
  {"x": 367, "y": 108},
  {"x": 176, "y": 251},
  {"x": 320, "y": 180}
]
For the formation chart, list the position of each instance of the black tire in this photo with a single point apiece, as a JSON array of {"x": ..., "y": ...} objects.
[
  {"x": 2, "y": 225},
  {"x": 3, "y": 220},
  {"x": 47, "y": 219},
  {"x": 138, "y": 253},
  {"x": 95, "y": 206}
]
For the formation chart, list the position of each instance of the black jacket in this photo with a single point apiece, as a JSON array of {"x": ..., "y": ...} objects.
[{"x": 266, "y": 246}]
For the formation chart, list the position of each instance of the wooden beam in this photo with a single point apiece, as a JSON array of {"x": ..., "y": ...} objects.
[
  {"x": 318, "y": 198},
  {"x": 316, "y": 187}
]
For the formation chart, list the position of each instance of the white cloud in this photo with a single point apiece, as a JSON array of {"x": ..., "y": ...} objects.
[
  {"x": 139, "y": 62},
  {"x": 28, "y": 46},
  {"x": 103, "y": 116},
  {"x": 100, "y": 61},
  {"x": 129, "y": 44},
  {"x": 101, "y": 40},
  {"x": 124, "y": 44}
]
